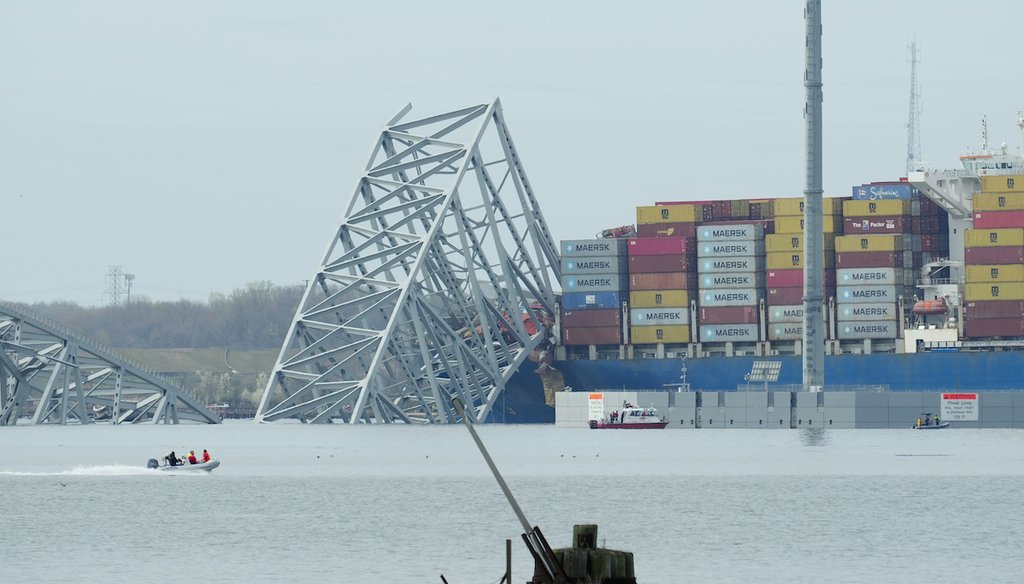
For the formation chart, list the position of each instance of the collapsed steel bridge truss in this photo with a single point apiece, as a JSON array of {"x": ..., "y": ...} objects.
[
  {"x": 50, "y": 374},
  {"x": 437, "y": 284}
]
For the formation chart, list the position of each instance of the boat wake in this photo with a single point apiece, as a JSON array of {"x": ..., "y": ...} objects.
[{"x": 111, "y": 470}]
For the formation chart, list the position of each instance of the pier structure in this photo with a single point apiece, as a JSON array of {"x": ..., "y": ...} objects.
[{"x": 438, "y": 282}]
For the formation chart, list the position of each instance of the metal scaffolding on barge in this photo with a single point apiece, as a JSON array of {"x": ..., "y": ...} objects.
[
  {"x": 61, "y": 377},
  {"x": 437, "y": 284}
]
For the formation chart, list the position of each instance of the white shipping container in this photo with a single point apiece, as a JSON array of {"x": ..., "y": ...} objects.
[
  {"x": 720, "y": 333},
  {"x": 595, "y": 265},
  {"x": 869, "y": 276},
  {"x": 732, "y": 280},
  {"x": 732, "y": 265},
  {"x": 868, "y": 330},
  {"x": 730, "y": 249},
  {"x": 659, "y": 316},
  {"x": 597, "y": 283},
  {"x": 740, "y": 232},
  {"x": 866, "y": 312},
  {"x": 729, "y": 297},
  {"x": 786, "y": 313},
  {"x": 862, "y": 294}
]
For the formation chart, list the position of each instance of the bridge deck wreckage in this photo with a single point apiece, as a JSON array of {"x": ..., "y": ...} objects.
[
  {"x": 437, "y": 284},
  {"x": 61, "y": 377}
]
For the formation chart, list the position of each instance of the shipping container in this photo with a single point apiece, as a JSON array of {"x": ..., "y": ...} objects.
[
  {"x": 885, "y": 191},
  {"x": 882, "y": 225},
  {"x": 594, "y": 265},
  {"x": 662, "y": 263},
  {"x": 795, "y": 260},
  {"x": 786, "y": 313},
  {"x": 659, "y": 299},
  {"x": 877, "y": 208},
  {"x": 666, "y": 230},
  {"x": 683, "y": 213},
  {"x": 730, "y": 265},
  {"x": 786, "y": 331},
  {"x": 785, "y": 278},
  {"x": 866, "y": 243},
  {"x": 588, "y": 300},
  {"x": 998, "y": 219},
  {"x": 728, "y": 315},
  {"x": 728, "y": 249},
  {"x": 994, "y": 255},
  {"x": 869, "y": 259},
  {"x": 867, "y": 311},
  {"x": 734, "y": 280},
  {"x": 785, "y": 296},
  {"x": 1000, "y": 291},
  {"x": 869, "y": 276},
  {"x": 584, "y": 318},
  {"x": 730, "y": 297},
  {"x": 662, "y": 281},
  {"x": 995, "y": 273},
  {"x": 994, "y": 237},
  {"x": 874, "y": 294},
  {"x": 881, "y": 329},
  {"x": 721, "y": 333},
  {"x": 795, "y": 207},
  {"x": 593, "y": 335},
  {"x": 993, "y": 309},
  {"x": 1005, "y": 183},
  {"x": 829, "y": 224},
  {"x": 596, "y": 283},
  {"x": 762, "y": 209},
  {"x": 731, "y": 232},
  {"x": 593, "y": 247},
  {"x": 779, "y": 242},
  {"x": 639, "y": 246},
  {"x": 994, "y": 327},
  {"x": 998, "y": 202},
  {"x": 935, "y": 243},
  {"x": 659, "y": 316},
  {"x": 650, "y": 335}
]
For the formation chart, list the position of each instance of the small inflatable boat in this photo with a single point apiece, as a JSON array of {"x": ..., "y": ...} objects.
[{"x": 186, "y": 467}]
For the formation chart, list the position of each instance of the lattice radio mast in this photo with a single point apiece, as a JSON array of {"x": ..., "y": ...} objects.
[{"x": 914, "y": 118}]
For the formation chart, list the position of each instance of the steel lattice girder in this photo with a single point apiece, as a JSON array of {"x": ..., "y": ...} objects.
[
  {"x": 60, "y": 376},
  {"x": 437, "y": 284}
]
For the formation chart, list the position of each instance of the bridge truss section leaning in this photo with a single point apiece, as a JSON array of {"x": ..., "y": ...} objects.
[
  {"x": 437, "y": 284},
  {"x": 52, "y": 375}
]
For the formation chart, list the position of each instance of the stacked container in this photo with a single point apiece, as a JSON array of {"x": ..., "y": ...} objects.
[
  {"x": 869, "y": 271},
  {"x": 785, "y": 265},
  {"x": 668, "y": 220},
  {"x": 661, "y": 282},
  {"x": 730, "y": 264},
  {"x": 994, "y": 288},
  {"x": 594, "y": 286}
]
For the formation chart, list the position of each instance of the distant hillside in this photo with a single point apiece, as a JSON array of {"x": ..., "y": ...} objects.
[{"x": 210, "y": 359}]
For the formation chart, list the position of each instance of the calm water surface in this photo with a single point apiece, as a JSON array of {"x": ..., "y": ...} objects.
[{"x": 294, "y": 503}]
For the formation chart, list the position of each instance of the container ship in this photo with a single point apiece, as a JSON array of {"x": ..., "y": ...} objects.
[{"x": 923, "y": 278}]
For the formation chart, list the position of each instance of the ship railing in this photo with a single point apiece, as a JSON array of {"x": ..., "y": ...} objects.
[
  {"x": 787, "y": 387},
  {"x": 938, "y": 281}
]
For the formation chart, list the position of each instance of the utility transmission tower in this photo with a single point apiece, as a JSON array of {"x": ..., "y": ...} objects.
[
  {"x": 914, "y": 118},
  {"x": 115, "y": 286}
]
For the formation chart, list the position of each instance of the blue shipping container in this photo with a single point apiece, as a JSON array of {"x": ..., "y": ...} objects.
[
  {"x": 903, "y": 192},
  {"x": 582, "y": 300}
]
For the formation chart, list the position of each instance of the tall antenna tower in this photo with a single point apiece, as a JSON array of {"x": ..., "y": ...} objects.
[
  {"x": 914, "y": 118},
  {"x": 115, "y": 286},
  {"x": 814, "y": 235}
]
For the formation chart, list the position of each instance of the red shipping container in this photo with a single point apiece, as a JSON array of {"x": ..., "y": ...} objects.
[
  {"x": 650, "y": 264},
  {"x": 785, "y": 278},
  {"x": 994, "y": 327},
  {"x": 660, "y": 245},
  {"x": 789, "y": 295},
  {"x": 857, "y": 225},
  {"x": 662, "y": 281},
  {"x": 870, "y": 259},
  {"x": 594, "y": 335},
  {"x": 982, "y": 309},
  {"x": 994, "y": 255},
  {"x": 667, "y": 230},
  {"x": 728, "y": 315},
  {"x": 607, "y": 317},
  {"x": 998, "y": 219}
]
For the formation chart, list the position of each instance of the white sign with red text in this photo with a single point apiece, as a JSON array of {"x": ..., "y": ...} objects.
[
  {"x": 960, "y": 406},
  {"x": 596, "y": 410}
]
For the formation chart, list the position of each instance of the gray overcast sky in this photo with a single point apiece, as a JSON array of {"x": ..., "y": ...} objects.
[{"x": 204, "y": 145}]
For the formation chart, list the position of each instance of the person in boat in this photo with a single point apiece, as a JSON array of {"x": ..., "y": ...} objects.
[
  {"x": 192, "y": 457},
  {"x": 918, "y": 422},
  {"x": 927, "y": 419},
  {"x": 206, "y": 456},
  {"x": 172, "y": 459},
  {"x": 936, "y": 418},
  {"x": 614, "y": 416}
]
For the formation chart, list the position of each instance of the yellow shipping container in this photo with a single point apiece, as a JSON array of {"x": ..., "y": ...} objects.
[
  {"x": 659, "y": 298},
  {"x": 1002, "y": 183},
  {"x": 995, "y": 273},
  {"x": 829, "y": 224},
  {"x": 669, "y": 334},
  {"x": 1007, "y": 291},
  {"x": 793, "y": 242},
  {"x": 795, "y": 207},
  {"x": 999, "y": 201},
  {"x": 853, "y": 243},
  {"x": 994, "y": 237},
  {"x": 794, "y": 260},
  {"x": 670, "y": 214},
  {"x": 876, "y": 208}
]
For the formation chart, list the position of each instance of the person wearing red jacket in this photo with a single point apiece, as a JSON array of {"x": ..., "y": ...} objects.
[
  {"x": 192, "y": 457},
  {"x": 206, "y": 456}
]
